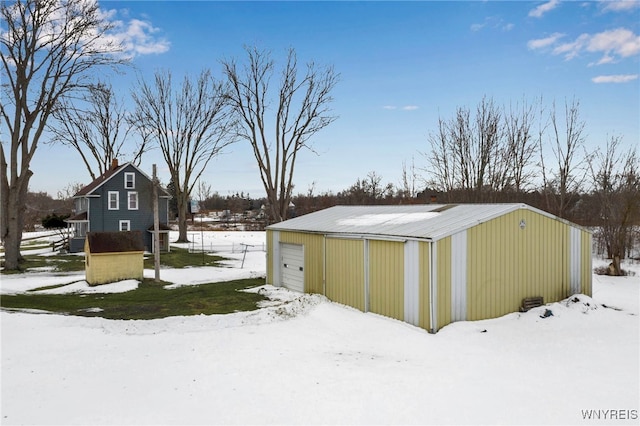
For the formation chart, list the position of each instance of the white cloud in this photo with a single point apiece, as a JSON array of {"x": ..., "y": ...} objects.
[
  {"x": 137, "y": 37},
  {"x": 619, "y": 6},
  {"x": 544, "y": 42},
  {"x": 613, "y": 44},
  {"x": 572, "y": 49},
  {"x": 621, "y": 42},
  {"x": 403, "y": 108},
  {"x": 621, "y": 78},
  {"x": 618, "y": 43},
  {"x": 606, "y": 59},
  {"x": 494, "y": 23},
  {"x": 544, "y": 8}
]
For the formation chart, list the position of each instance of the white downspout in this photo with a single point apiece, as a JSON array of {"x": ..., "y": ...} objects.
[{"x": 433, "y": 287}]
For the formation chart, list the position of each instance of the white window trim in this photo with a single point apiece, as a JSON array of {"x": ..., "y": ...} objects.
[
  {"x": 117, "y": 207},
  {"x": 123, "y": 222},
  {"x": 133, "y": 180},
  {"x": 129, "y": 200}
]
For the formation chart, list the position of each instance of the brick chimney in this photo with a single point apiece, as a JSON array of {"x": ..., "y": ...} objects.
[{"x": 114, "y": 164}]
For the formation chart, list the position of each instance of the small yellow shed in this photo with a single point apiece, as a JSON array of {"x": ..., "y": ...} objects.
[
  {"x": 113, "y": 256},
  {"x": 433, "y": 264}
]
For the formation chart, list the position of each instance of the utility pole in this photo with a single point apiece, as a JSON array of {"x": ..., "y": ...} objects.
[{"x": 156, "y": 227}]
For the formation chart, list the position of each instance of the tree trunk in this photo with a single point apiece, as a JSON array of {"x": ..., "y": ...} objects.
[
  {"x": 14, "y": 211},
  {"x": 182, "y": 218},
  {"x": 614, "y": 267},
  {"x": 274, "y": 206},
  {"x": 12, "y": 246},
  {"x": 4, "y": 196}
]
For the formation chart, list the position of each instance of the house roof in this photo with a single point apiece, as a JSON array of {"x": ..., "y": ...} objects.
[
  {"x": 108, "y": 175},
  {"x": 82, "y": 217},
  {"x": 162, "y": 227},
  {"x": 99, "y": 181},
  {"x": 115, "y": 242},
  {"x": 425, "y": 221}
]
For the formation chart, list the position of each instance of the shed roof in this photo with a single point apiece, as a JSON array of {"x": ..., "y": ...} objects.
[
  {"x": 115, "y": 242},
  {"x": 424, "y": 221}
]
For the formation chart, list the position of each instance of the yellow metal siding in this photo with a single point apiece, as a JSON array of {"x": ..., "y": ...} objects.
[
  {"x": 103, "y": 268},
  {"x": 269, "y": 245},
  {"x": 507, "y": 263},
  {"x": 586, "y": 273},
  {"x": 345, "y": 271},
  {"x": 313, "y": 254},
  {"x": 425, "y": 274},
  {"x": 386, "y": 278},
  {"x": 443, "y": 292}
]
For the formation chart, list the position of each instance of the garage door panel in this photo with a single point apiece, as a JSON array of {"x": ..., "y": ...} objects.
[{"x": 292, "y": 266}]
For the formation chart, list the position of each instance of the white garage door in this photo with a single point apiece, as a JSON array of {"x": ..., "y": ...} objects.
[{"x": 292, "y": 266}]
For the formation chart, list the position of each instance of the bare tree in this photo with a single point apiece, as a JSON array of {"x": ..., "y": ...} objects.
[
  {"x": 99, "y": 133},
  {"x": 467, "y": 154},
  {"x": 521, "y": 146},
  {"x": 487, "y": 159},
  {"x": 616, "y": 186},
  {"x": 441, "y": 165},
  {"x": 369, "y": 190},
  {"x": 191, "y": 125},
  {"x": 48, "y": 49},
  {"x": 409, "y": 181},
  {"x": 67, "y": 193},
  {"x": 204, "y": 193},
  {"x": 564, "y": 179},
  {"x": 301, "y": 110}
]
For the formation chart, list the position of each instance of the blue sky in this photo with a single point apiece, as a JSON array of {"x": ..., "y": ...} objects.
[{"x": 402, "y": 65}]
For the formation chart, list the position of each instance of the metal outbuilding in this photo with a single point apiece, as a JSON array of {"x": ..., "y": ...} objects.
[{"x": 433, "y": 264}]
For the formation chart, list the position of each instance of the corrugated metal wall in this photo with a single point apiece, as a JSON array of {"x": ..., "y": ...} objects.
[
  {"x": 313, "y": 255},
  {"x": 483, "y": 272},
  {"x": 518, "y": 255},
  {"x": 586, "y": 270},
  {"x": 345, "y": 274},
  {"x": 425, "y": 282},
  {"x": 443, "y": 293},
  {"x": 459, "y": 276},
  {"x": 386, "y": 278},
  {"x": 412, "y": 282},
  {"x": 270, "y": 255}
]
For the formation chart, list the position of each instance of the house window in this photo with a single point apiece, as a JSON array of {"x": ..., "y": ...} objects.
[
  {"x": 81, "y": 205},
  {"x": 125, "y": 225},
  {"x": 80, "y": 229},
  {"x": 114, "y": 200},
  {"x": 132, "y": 197},
  {"x": 129, "y": 180}
]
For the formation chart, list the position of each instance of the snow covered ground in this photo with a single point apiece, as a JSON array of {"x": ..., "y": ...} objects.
[{"x": 301, "y": 359}]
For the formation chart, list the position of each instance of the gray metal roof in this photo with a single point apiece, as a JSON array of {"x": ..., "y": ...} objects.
[{"x": 425, "y": 221}]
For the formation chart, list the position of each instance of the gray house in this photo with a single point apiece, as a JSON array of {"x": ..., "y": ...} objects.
[{"x": 119, "y": 200}]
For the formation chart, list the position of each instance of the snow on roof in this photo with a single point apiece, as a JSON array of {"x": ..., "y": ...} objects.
[
  {"x": 388, "y": 218},
  {"x": 424, "y": 221}
]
